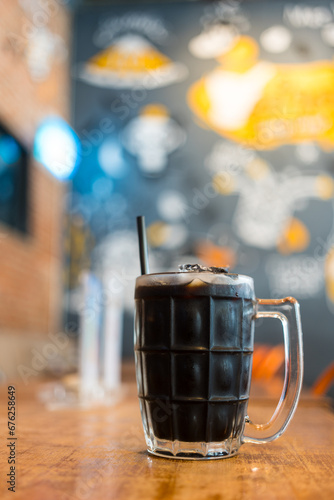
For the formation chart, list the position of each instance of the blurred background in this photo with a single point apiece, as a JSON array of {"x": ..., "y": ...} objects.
[{"x": 213, "y": 119}]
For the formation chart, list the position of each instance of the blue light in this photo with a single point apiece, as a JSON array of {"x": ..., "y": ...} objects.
[
  {"x": 102, "y": 188},
  {"x": 57, "y": 147},
  {"x": 110, "y": 157},
  {"x": 10, "y": 152}
]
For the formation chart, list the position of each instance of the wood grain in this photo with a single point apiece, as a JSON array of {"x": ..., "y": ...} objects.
[{"x": 99, "y": 454}]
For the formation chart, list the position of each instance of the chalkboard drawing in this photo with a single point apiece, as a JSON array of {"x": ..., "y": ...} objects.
[
  {"x": 301, "y": 275},
  {"x": 132, "y": 61},
  {"x": 214, "y": 41},
  {"x": 264, "y": 215},
  {"x": 261, "y": 103},
  {"x": 151, "y": 137}
]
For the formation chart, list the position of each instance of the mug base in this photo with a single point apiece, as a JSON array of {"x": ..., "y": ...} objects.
[
  {"x": 190, "y": 456},
  {"x": 181, "y": 450}
]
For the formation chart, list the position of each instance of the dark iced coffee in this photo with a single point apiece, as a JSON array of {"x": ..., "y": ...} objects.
[{"x": 193, "y": 346}]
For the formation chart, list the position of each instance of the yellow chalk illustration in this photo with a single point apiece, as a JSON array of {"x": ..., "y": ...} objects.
[
  {"x": 131, "y": 61},
  {"x": 263, "y": 104}
]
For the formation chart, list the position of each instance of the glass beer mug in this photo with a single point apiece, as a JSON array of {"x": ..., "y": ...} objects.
[{"x": 194, "y": 336}]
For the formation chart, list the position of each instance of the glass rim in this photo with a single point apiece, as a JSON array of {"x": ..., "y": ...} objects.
[{"x": 239, "y": 275}]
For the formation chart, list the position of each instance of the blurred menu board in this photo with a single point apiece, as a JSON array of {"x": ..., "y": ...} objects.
[{"x": 215, "y": 120}]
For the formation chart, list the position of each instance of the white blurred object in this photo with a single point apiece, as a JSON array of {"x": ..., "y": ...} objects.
[
  {"x": 233, "y": 95},
  {"x": 90, "y": 321},
  {"x": 172, "y": 205},
  {"x": 178, "y": 236},
  {"x": 327, "y": 34},
  {"x": 43, "y": 49},
  {"x": 214, "y": 42},
  {"x": 152, "y": 137},
  {"x": 276, "y": 39},
  {"x": 299, "y": 275},
  {"x": 307, "y": 152},
  {"x": 112, "y": 341}
]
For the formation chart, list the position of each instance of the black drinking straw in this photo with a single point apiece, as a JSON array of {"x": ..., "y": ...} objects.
[{"x": 142, "y": 244}]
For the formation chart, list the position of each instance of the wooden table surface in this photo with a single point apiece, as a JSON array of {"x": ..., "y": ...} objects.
[{"x": 99, "y": 454}]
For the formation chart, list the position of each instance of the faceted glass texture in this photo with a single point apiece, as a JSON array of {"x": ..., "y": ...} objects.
[{"x": 194, "y": 359}]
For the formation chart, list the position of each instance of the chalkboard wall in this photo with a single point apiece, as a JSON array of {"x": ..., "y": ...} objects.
[{"x": 216, "y": 121}]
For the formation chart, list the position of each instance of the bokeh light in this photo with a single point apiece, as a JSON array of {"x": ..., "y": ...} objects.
[
  {"x": 9, "y": 151},
  {"x": 111, "y": 159},
  {"x": 57, "y": 147}
]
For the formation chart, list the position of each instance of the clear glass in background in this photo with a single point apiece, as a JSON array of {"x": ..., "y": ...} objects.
[{"x": 194, "y": 336}]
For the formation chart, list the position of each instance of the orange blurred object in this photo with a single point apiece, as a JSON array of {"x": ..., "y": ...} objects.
[
  {"x": 268, "y": 369},
  {"x": 324, "y": 382},
  {"x": 295, "y": 238},
  {"x": 268, "y": 361},
  {"x": 213, "y": 255}
]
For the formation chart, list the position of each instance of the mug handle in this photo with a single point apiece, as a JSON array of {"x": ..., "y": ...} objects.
[{"x": 287, "y": 311}]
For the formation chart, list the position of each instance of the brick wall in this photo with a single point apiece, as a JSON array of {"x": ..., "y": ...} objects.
[{"x": 30, "y": 266}]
